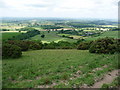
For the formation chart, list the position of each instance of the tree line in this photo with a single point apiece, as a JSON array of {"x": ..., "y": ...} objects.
[{"x": 26, "y": 35}]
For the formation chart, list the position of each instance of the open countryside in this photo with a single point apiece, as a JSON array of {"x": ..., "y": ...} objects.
[{"x": 62, "y": 53}]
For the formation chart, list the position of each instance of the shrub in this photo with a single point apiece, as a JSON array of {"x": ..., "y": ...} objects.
[
  {"x": 35, "y": 46},
  {"x": 105, "y": 45},
  {"x": 118, "y": 45},
  {"x": 11, "y": 51},
  {"x": 84, "y": 46},
  {"x": 51, "y": 45},
  {"x": 42, "y": 35},
  {"x": 24, "y": 45}
]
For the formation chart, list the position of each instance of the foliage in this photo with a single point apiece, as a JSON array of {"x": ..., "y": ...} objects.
[
  {"x": 79, "y": 25},
  {"x": 84, "y": 45},
  {"x": 50, "y": 27},
  {"x": 11, "y": 51},
  {"x": 116, "y": 29},
  {"x": 59, "y": 45},
  {"x": 22, "y": 44},
  {"x": 35, "y": 45},
  {"x": 73, "y": 32},
  {"x": 26, "y": 45},
  {"x": 27, "y": 35},
  {"x": 105, "y": 45},
  {"x": 4, "y": 30},
  {"x": 42, "y": 35},
  {"x": 79, "y": 40}
]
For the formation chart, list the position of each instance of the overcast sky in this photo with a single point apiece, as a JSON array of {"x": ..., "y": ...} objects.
[{"x": 60, "y": 8}]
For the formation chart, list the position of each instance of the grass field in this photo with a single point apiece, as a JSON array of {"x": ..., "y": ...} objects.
[
  {"x": 112, "y": 34},
  {"x": 74, "y": 36},
  {"x": 56, "y": 68},
  {"x": 52, "y": 36},
  {"x": 9, "y": 35}
]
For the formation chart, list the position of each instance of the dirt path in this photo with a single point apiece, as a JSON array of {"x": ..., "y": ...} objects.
[{"x": 108, "y": 78}]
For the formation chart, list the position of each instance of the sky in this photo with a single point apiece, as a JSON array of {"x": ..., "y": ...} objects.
[{"x": 106, "y": 9}]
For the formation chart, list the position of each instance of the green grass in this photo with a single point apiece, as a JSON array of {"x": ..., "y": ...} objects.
[
  {"x": 7, "y": 35},
  {"x": 112, "y": 34},
  {"x": 52, "y": 36},
  {"x": 74, "y": 36},
  {"x": 43, "y": 67}
]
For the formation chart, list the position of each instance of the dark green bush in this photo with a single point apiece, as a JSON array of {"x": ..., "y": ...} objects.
[
  {"x": 105, "y": 45},
  {"x": 59, "y": 45},
  {"x": 11, "y": 51},
  {"x": 35, "y": 46},
  {"x": 24, "y": 45},
  {"x": 84, "y": 46}
]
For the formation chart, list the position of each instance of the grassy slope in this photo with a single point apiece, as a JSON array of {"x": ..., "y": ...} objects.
[
  {"x": 42, "y": 67},
  {"x": 9, "y": 35},
  {"x": 49, "y": 37},
  {"x": 113, "y": 34}
]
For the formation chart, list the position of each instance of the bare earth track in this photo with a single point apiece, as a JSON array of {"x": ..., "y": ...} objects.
[{"x": 108, "y": 78}]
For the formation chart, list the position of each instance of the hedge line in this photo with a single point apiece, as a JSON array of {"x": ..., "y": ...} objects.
[{"x": 14, "y": 48}]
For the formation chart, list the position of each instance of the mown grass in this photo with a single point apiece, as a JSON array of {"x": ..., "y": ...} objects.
[
  {"x": 45, "y": 67},
  {"x": 52, "y": 36}
]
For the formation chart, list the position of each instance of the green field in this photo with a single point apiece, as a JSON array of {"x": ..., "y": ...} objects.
[
  {"x": 56, "y": 68},
  {"x": 112, "y": 34},
  {"x": 7, "y": 35},
  {"x": 52, "y": 36}
]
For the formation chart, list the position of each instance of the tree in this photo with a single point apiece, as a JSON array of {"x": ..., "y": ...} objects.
[{"x": 42, "y": 35}]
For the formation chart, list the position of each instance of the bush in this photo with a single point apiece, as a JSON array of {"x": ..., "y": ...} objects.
[
  {"x": 11, "y": 51},
  {"x": 65, "y": 45},
  {"x": 105, "y": 45},
  {"x": 24, "y": 45},
  {"x": 118, "y": 45},
  {"x": 51, "y": 45},
  {"x": 59, "y": 45},
  {"x": 35, "y": 46},
  {"x": 84, "y": 46}
]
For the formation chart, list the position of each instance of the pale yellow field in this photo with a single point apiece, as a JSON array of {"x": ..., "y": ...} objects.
[
  {"x": 109, "y": 26},
  {"x": 11, "y": 27}
]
